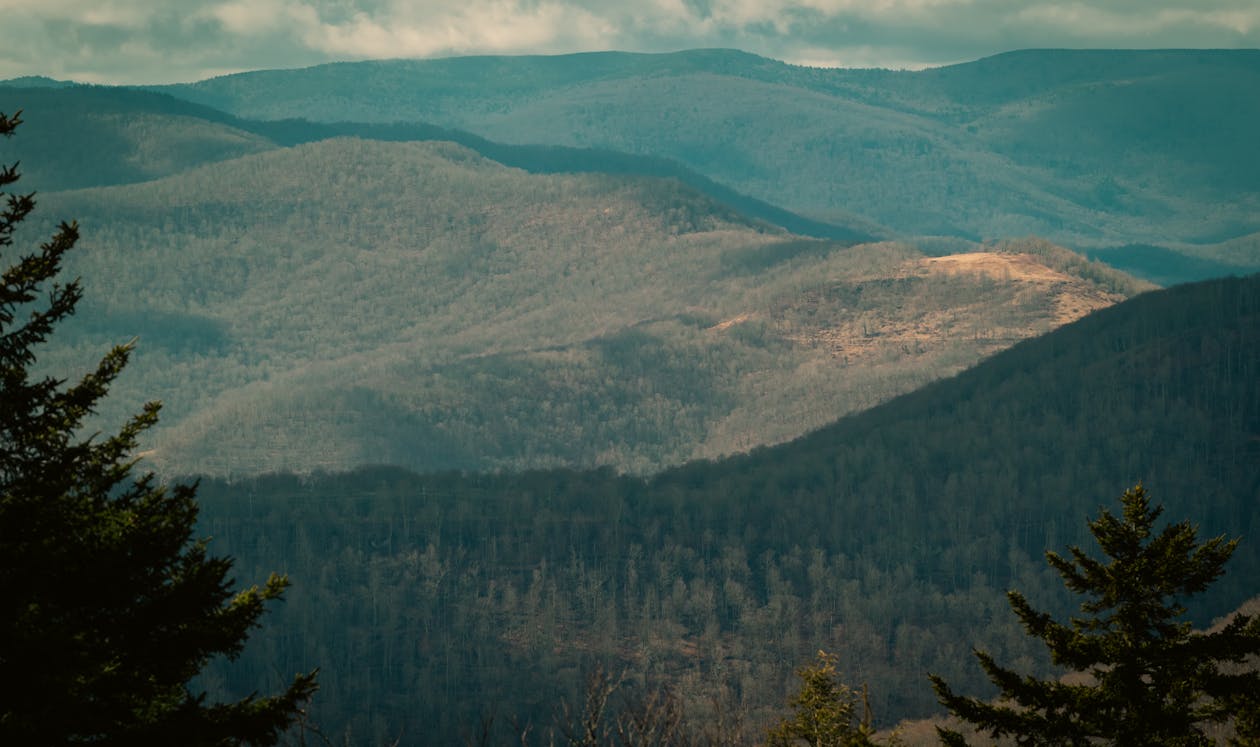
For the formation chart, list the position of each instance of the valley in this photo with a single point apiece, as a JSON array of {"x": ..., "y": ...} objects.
[{"x": 684, "y": 366}]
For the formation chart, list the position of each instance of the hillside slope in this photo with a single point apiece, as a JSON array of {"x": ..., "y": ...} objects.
[
  {"x": 349, "y": 302},
  {"x": 888, "y": 537},
  {"x": 1088, "y": 148},
  {"x": 88, "y": 136}
]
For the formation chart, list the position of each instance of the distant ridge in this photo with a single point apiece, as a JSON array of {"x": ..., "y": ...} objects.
[
  {"x": 1016, "y": 74},
  {"x": 1089, "y": 148},
  {"x": 88, "y": 136},
  {"x": 37, "y": 81},
  {"x": 1092, "y": 149},
  {"x": 70, "y": 145},
  {"x": 551, "y": 159},
  {"x": 511, "y": 72}
]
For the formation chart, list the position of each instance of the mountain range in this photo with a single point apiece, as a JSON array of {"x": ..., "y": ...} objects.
[
  {"x": 351, "y": 301},
  {"x": 1083, "y": 148},
  {"x": 690, "y": 364},
  {"x": 203, "y": 207},
  {"x": 1079, "y": 147}
]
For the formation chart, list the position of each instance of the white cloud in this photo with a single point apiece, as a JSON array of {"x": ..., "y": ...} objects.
[
  {"x": 776, "y": 13},
  {"x": 254, "y": 16},
  {"x": 1089, "y": 21},
  {"x": 167, "y": 40},
  {"x": 496, "y": 26}
]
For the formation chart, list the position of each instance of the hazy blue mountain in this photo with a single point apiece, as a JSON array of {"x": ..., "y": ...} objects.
[
  {"x": 86, "y": 136},
  {"x": 1161, "y": 265},
  {"x": 37, "y": 81},
  {"x": 1087, "y": 148}
]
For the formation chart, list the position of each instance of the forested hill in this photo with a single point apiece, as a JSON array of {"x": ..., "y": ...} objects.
[
  {"x": 1143, "y": 158},
  {"x": 93, "y": 136},
  {"x": 888, "y": 537},
  {"x": 1164, "y": 388},
  {"x": 1087, "y": 148},
  {"x": 354, "y": 301}
]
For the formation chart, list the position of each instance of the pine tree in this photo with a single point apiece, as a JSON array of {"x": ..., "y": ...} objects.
[
  {"x": 1149, "y": 677},
  {"x": 108, "y": 606},
  {"x": 824, "y": 711}
]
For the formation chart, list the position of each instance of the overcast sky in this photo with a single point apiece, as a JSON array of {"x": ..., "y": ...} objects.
[{"x": 159, "y": 41}]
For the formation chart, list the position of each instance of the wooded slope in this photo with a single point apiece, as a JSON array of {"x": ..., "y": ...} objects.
[
  {"x": 352, "y": 301},
  {"x": 888, "y": 537}
]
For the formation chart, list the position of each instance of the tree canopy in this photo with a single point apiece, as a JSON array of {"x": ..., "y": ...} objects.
[
  {"x": 1145, "y": 675},
  {"x": 108, "y": 605}
]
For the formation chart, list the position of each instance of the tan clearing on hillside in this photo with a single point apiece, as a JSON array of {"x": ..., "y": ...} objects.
[
  {"x": 999, "y": 266},
  {"x": 888, "y": 322},
  {"x": 1074, "y": 298},
  {"x": 930, "y": 304},
  {"x": 728, "y": 323}
]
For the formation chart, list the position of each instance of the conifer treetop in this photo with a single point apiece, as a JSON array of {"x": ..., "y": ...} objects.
[
  {"x": 109, "y": 606},
  {"x": 1152, "y": 679}
]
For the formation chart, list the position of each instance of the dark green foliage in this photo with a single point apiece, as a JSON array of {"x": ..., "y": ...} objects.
[
  {"x": 887, "y": 537},
  {"x": 108, "y": 607},
  {"x": 1149, "y": 678}
]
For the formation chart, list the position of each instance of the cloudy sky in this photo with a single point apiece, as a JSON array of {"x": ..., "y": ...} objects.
[{"x": 157, "y": 41}]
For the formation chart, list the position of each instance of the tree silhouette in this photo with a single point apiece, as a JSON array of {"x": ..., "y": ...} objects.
[
  {"x": 108, "y": 606},
  {"x": 1150, "y": 678}
]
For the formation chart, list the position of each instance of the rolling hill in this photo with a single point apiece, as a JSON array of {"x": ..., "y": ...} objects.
[
  {"x": 350, "y": 301},
  {"x": 88, "y": 136},
  {"x": 888, "y": 537},
  {"x": 1090, "y": 149},
  {"x": 620, "y": 377}
]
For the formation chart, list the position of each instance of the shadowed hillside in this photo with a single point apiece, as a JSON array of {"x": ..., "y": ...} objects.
[
  {"x": 88, "y": 136},
  {"x": 1088, "y": 148},
  {"x": 888, "y": 537}
]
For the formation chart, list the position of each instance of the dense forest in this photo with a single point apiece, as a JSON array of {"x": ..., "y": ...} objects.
[
  {"x": 524, "y": 378},
  {"x": 90, "y": 136},
  {"x": 436, "y": 600}
]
